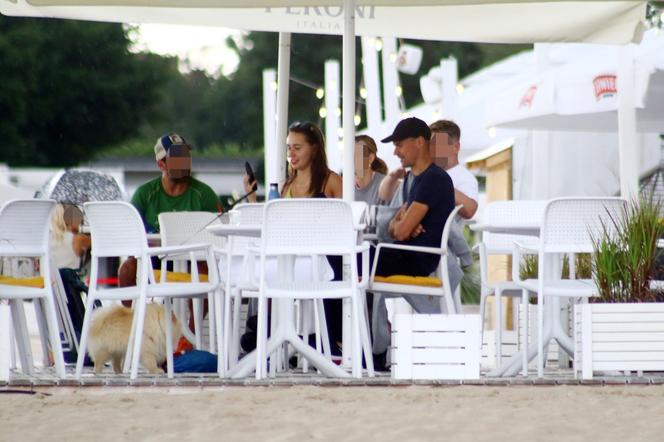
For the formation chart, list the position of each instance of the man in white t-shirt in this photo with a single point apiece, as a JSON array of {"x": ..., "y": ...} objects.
[{"x": 444, "y": 147}]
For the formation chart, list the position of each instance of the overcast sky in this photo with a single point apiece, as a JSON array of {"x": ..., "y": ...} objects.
[{"x": 203, "y": 47}]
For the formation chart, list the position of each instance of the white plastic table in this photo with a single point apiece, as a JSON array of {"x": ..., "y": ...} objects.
[
  {"x": 285, "y": 331},
  {"x": 552, "y": 327}
]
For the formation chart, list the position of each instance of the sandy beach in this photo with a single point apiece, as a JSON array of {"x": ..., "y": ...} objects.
[{"x": 413, "y": 413}]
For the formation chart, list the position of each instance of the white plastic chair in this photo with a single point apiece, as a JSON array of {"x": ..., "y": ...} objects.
[
  {"x": 503, "y": 213},
  {"x": 568, "y": 226},
  {"x": 181, "y": 228},
  {"x": 240, "y": 282},
  {"x": 443, "y": 291},
  {"x": 315, "y": 228},
  {"x": 24, "y": 233},
  {"x": 117, "y": 230}
]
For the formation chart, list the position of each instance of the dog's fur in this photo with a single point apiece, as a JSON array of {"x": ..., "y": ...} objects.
[{"x": 109, "y": 335}]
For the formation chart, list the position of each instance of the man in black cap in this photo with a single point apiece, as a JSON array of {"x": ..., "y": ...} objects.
[{"x": 418, "y": 222}]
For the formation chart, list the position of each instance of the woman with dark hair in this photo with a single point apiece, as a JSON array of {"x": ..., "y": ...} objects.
[
  {"x": 310, "y": 177},
  {"x": 369, "y": 171}
]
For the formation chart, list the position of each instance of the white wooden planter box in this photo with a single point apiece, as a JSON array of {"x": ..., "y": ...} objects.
[
  {"x": 436, "y": 347},
  {"x": 618, "y": 337}
]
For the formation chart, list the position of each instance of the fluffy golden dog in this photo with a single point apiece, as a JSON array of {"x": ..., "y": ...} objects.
[{"x": 109, "y": 335}]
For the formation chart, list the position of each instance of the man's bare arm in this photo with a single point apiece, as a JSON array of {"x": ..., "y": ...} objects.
[
  {"x": 469, "y": 205},
  {"x": 390, "y": 184},
  {"x": 407, "y": 223}
]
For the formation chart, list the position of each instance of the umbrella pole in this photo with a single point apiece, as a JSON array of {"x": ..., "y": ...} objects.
[
  {"x": 629, "y": 148},
  {"x": 348, "y": 94},
  {"x": 278, "y": 169}
]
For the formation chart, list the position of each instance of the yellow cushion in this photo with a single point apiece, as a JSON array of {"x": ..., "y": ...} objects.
[
  {"x": 426, "y": 281},
  {"x": 179, "y": 276},
  {"x": 36, "y": 282}
]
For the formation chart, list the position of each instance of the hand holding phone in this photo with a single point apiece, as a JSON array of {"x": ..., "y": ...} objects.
[{"x": 251, "y": 175}]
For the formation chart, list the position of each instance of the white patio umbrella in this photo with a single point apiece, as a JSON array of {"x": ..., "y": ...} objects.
[
  {"x": 498, "y": 21},
  {"x": 584, "y": 95}
]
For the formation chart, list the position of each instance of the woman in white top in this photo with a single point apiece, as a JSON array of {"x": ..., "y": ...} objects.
[{"x": 67, "y": 245}]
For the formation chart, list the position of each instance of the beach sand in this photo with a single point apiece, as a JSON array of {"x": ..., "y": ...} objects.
[{"x": 410, "y": 413}]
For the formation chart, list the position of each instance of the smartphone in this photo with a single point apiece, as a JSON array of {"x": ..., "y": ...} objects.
[{"x": 250, "y": 174}]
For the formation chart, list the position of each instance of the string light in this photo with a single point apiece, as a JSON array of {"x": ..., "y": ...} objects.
[
  {"x": 460, "y": 88},
  {"x": 338, "y": 111},
  {"x": 379, "y": 44},
  {"x": 322, "y": 112},
  {"x": 320, "y": 93},
  {"x": 363, "y": 93},
  {"x": 398, "y": 91},
  {"x": 340, "y": 132},
  {"x": 393, "y": 57},
  {"x": 358, "y": 120},
  {"x": 274, "y": 85}
]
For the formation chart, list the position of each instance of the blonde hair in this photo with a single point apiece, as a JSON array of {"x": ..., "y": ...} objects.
[{"x": 58, "y": 225}]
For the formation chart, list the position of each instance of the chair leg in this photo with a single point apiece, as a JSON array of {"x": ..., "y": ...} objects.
[
  {"x": 54, "y": 333},
  {"x": 540, "y": 337},
  {"x": 366, "y": 337},
  {"x": 139, "y": 313},
  {"x": 197, "y": 312},
  {"x": 499, "y": 327},
  {"x": 168, "y": 309},
  {"x": 260, "y": 331},
  {"x": 524, "y": 332},
  {"x": 222, "y": 308},
  {"x": 39, "y": 308},
  {"x": 212, "y": 325},
  {"x": 357, "y": 349},
  {"x": 235, "y": 339},
  {"x": 21, "y": 336},
  {"x": 85, "y": 330},
  {"x": 324, "y": 335}
]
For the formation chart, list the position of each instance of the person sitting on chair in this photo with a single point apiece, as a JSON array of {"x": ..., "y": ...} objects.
[
  {"x": 418, "y": 222},
  {"x": 174, "y": 191}
]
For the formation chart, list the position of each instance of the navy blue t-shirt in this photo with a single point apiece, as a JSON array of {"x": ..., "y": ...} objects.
[{"x": 433, "y": 187}]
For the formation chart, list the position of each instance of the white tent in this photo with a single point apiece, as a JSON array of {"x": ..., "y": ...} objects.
[
  {"x": 607, "y": 21},
  {"x": 582, "y": 94}
]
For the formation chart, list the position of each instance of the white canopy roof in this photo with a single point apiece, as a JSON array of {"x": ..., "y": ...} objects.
[
  {"x": 496, "y": 21},
  {"x": 582, "y": 94}
]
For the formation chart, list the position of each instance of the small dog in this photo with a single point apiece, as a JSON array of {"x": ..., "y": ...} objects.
[{"x": 109, "y": 335}]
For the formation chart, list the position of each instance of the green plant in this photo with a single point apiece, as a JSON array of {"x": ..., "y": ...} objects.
[
  {"x": 626, "y": 254},
  {"x": 583, "y": 266}
]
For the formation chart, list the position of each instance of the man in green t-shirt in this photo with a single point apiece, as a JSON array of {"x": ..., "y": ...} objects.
[{"x": 174, "y": 191}]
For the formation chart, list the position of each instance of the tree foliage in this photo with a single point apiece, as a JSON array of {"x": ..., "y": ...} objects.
[{"x": 71, "y": 88}]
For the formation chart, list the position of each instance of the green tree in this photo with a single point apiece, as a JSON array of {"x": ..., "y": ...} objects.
[{"x": 69, "y": 89}]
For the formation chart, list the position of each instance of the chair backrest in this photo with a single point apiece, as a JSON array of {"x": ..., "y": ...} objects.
[
  {"x": 250, "y": 213},
  {"x": 308, "y": 226},
  {"x": 444, "y": 238},
  {"x": 569, "y": 224},
  {"x": 24, "y": 227},
  {"x": 507, "y": 213},
  {"x": 116, "y": 228},
  {"x": 179, "y": 228}
]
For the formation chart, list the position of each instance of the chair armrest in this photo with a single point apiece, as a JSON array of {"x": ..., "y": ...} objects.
[
  {"x": 422, "y": 249},
  {"x": 177, "y": 250},
  {"x": 520, "y": 249}
]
